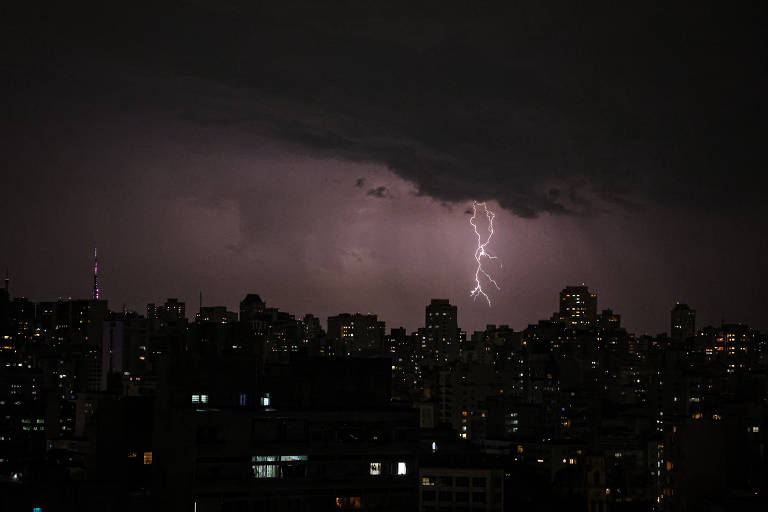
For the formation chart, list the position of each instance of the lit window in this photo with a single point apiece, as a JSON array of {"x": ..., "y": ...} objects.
[
  {"x": 428, "y": 480},
  {"x": 204, "y": 399},
  {"x": 243, "y": 399},
  {"x": 402, "y": 469},
  {"x": 265, "y": 401},
  {"x": 348, "y": 502},
  {"x": 147, "y": 458},
  {"x": 375, "y": 468},
  {"x": 434, "y": 447},
  {"x": 265, "y": 466},
  {"x": 195, "y": 399}
]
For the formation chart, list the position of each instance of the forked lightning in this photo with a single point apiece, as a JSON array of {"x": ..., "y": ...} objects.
[{"x": 480, "y": 251}]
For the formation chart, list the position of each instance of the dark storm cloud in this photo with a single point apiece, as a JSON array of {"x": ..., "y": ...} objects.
[
  {"x": 194, "y": 132},
  {"x": 613, "y": 106},
  {"x": 379, "y": 192}
]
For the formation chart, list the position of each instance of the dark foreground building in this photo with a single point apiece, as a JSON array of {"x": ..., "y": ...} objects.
[{"x": 317, "y": 435}]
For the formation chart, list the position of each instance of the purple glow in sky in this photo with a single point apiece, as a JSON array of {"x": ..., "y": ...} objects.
[{"x": 325, "y": 158}]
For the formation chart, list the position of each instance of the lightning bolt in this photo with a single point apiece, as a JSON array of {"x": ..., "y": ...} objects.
[{"x": 480, "y": 252}]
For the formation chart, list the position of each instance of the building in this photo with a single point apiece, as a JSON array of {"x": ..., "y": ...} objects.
[
  {"x": 275, "y": 442},
  {"x": 172, "y": 313},
  {"x": 460, "y": 483},
  {"x": 578, "y": 306},
  {"x": 216, "y": 314},
  {"x": 251, "y": 308},
  {"x": 356, "y": 333},
  {"x": 682, "y": 323},
  {"x": 440, "y": 336}
]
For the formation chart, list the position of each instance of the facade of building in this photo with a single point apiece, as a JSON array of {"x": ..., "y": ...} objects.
[{"x": 578, "y": 306}]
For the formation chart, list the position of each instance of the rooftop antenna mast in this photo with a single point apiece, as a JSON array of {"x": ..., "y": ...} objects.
[{"x": 95, "y": 274}]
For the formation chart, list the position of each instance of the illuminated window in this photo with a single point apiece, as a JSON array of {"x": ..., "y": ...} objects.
[
  {"x": 265, "y": 466},
  {"x": 243, "y": 399},
  {"x": 428, "y": 480},
  {"x": 195, "y": 399},
  {"x": 348, "y": 502},
  {"x": 402, "y": 469},
  {"x": 147, "y": 458},
  {"x": 375, "y": 468},
  {"x": 265, "y": 401}
]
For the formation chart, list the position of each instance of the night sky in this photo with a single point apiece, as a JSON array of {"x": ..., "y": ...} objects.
[{"x": 324, "y": 155}]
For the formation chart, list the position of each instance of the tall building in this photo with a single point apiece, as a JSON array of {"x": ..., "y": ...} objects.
[
  {"x": 578, "y": 306},
  {"x": 112, "y": 351},
  {"x": 251, "y": 308},
  {"x": 5, "y": 299},
  {"x": 440, "y": 335},
  {"x": 172, "y": 313},
  {"x": 683, "y": 323},
  {"x": 356, "y": 333},
  {"x": 174, "y": 310},
  {"x": 216, "y": 314},
  {"x": 311, "y": 328}
]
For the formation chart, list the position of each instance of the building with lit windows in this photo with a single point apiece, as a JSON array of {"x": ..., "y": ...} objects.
[
  {"x": 460, "y": 483},
  {"x": 578, "y": 306},
  {"x": 356, "y": 332},
  {"x": 682, "y": 323},
  {"x": 273, "y": 442},
  {"x": 440, "y": 335}
]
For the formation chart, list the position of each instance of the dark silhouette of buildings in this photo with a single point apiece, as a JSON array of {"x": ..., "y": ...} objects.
[
  {"x": 682, "y": 323},
  {"x": 103, "y": 410},
  {"x": 354, "y": 333}
]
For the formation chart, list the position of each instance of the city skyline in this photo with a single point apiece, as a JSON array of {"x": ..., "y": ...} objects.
[
  {"x": 327, "y": 157},
  {"x": 383, "y": 255},
  {"x": 232, "y": 305}
]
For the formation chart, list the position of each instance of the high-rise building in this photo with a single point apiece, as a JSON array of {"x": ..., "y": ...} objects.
[
  {"x": 216, "y": 314},
  {"x": 683, "y": 323},
  {"x": 311, "y": 328},
  {"x": 174, "y": 309},
  {"x": 578, "y": 306},
  {"x": 440, "y": 335},
  {"x": 251, "y": 308},
  {"x": 172, "y": 313},
  {"x": 356, "y": 333}
]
